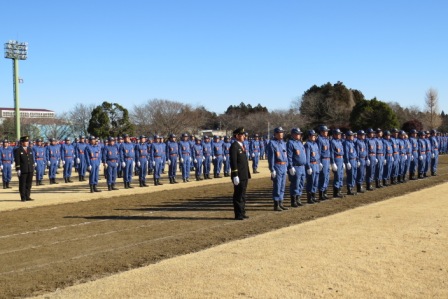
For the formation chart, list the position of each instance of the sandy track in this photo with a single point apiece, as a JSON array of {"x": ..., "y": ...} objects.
[{"x": 391, "y": 249}]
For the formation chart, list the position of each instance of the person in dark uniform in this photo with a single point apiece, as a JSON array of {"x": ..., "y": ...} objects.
[
  {"x": 23, "y": 157},
  {"x": 240, "y": 174}
]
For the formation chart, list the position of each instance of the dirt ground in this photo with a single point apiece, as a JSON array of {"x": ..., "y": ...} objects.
[{"x": 46, "y": 247}]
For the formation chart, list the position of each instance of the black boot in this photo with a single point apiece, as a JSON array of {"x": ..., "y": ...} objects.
[
  {"x": 197, "y": 178},
  {"x": 171, "y": 180},
  {"x": 369, "y": 186},
  {"x": 325, "y": 194},
  {"x": 293, "y": 201},
  {"x": 80, "y": 178},
  {"x": 140, "y": 182},
  {"x": 309, "y": 199},
  {"x": 55, "y": 182},
  {"x": 385, "y": 183},
  {"x": 40, "y": 183},
  {"x": 144, "y": 184},
  {"x": 69, "y": 180},
  {"x": 298, "y": 201},
  {"x": 313, "y": 198},
  {"x": 280, "y": 204},
  {"x": 4, "y": 185},
  {"x": 109, "y": 187},
  {"x": 335, "y": 192},
  {"x": 95, "y": 189},
  {"x": 174, "y": 180},
  {"x": 350, "y": 191},
  {"x": 155, "y": 182},
  {"x": 65, "y": 179},
  {"x": 129, "y": 185},
  {"x": 277, "y": 207},
  {"x": 339, "y": 193},
  {"x": 377, "y": 184},
  {"x": 125, "y": 185},
  {"x": 113, "y": 187},
  {"x": 91, "y": 188},
  {"x": 158, "y": 182}
]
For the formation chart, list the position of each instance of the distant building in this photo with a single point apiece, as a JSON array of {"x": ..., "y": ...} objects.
[{"x": 25, "y": 113}]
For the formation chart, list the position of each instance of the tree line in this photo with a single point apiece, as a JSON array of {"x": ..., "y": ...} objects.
[{"x": 334, "y": 105}]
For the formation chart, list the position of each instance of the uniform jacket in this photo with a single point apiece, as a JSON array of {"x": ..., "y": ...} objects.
[
  {"x": 24, "y": 159},
  {"x": 238, "y": 162}
]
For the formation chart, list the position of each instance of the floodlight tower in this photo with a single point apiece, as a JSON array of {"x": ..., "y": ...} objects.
[{"x": 16, "y": 51}]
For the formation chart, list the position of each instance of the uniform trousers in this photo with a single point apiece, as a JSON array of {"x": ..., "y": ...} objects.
[
  {"x": 278, "y": 192},
  {"x": 297, "y": 181}
]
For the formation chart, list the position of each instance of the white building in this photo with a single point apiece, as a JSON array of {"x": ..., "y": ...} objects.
[{"x": 25, "y": 113}]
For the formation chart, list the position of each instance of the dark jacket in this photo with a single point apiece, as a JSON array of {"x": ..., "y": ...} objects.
[
  {"x": 24, "y": 160},
  {"x": 238, "y": 162}
]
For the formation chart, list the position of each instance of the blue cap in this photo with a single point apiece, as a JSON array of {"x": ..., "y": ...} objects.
[
  {"x": 142, "y": 136},
  {"x": 337, "y": 131},
  {"x": 296, "y": 131},
  {"x": 278, "y": 130},
  {"x": 394, "y": 130},
  {"x": 323, "y": 129},
  {"x": 111, "y": 138},
  {"x": 370, "y": 130},
  {"x": 349, "y": 133},
  {"x": 413, "y": 131},
  {"x": 184, "y": 135},
  {"x": 92, "y": 137},
  {"x": 433, "y": 131},
  {"x": 361, "y": 132}
]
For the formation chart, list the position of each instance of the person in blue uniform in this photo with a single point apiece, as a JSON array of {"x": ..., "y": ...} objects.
[
  {"x": 409, "y": 157},
  {"x": 434, "y": 152},
  {"x": 396, "y": 156},
  {"x": 361, "y": 149},
  {"x": 157, "y": 156},
  {"x": 111, "y": 159},
  {"x": 226, "y": 155},
  {"x": 278, "y": 162},
  {"x": 185, "y": 157},
  {"x": 324, "y": 175},
  {"x": 93, "y": 160},
  {"x": 39, "y": 161},
  {"x": 421, "y": 154},
  {"x": 127, "y": 158},
  {"x": 371, "y": 158},
  {"x": 119, "y": 142},
  {"x": 379, "y": 169},
  {"x": 296, "y": 166},
  {"x": 197, "y": 153},
  {"x": 141, "y": 156},
  {"x": 207, "y": 154},
  {"x": 53, "y": 155},
  {"x": 388, "y": 158},
  {"x": 24, "y": 163},
  {"x": 6, "y": 162},
  {"x": 351, "y": 162},
  {"x": 337, "y": 163},
  {"x": 428, "y": 153},
  {"x": 255, "y": 149},
  {"x": 240, "y": 174},
  {"x": 81, "y": 158},
  {"x": 68, "y": 158},
  {"x": 217, "y": 154},
  {"x": 414, "y": 154},
  {"x": 172, "y": 156},
  {"x": 312, "y": 167}
]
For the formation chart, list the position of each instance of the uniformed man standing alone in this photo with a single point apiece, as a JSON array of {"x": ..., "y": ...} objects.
[
  {"x": 24, "y": 161},
  {"x": 239, "y": 173}
]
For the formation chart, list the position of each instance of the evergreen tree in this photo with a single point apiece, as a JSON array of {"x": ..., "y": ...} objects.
[
  {"x": 110, "y": 119},
  {"x": 372, "y": 114}
]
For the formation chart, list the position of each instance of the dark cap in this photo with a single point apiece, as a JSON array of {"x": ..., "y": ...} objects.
[
  {"x": 184, "y": 135},
  {"x": 337, "y": 132},
  {"x": 387, "y": 133},
  {"x": 172, "y": 135},
  {"x": 51, "y": 139},
  {"x": 92, "y": 137},
  {"x": 24, "y": 138},
  {"x": 239, "y": 131},
  {"x": 142, "y": 136},
  {"x": 125, "y": 135},
  {"x": 67, "y": 139},
  {"x": 413, "y": 131},
  {"x": 206, "y": 137},
  {"x": 111, "y": 138},
  {"x": 323, "y": 129},
  {"x": 349, "y": 133},
  {"x": 296, "y": 131},
  {"x": 279, "y": 130},
  {"x": 394, "y": 130},
  {"x": 370, "y": 130},
  {"x": 82, "y": 137},
  {"x": 361, "y": 132},
  {"x": 38, "y": 140},
  {"x": 379, "y": 130},
  {"x": 311, "y": 133}
]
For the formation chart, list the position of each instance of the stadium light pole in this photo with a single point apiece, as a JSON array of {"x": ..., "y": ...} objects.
[{"x": 16, "y": 51}]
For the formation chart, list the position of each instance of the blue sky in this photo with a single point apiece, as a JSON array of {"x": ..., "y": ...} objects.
[{"x": 221, "y": 53}]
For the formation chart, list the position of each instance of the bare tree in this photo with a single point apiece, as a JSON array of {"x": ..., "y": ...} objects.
[
  {"x": 433, "y": 119},
  {"x": 58, "y": 127},
  {"x": 79, "y": 117}
]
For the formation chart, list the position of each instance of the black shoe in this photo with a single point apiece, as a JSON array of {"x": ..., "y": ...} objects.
[
  {"x": 280, "y": 204},
  {"x": 95, "y": 189},
  {"x": 298, "y": 201},
  {"x": 113, "y": 187},
  {"x": 277, "y": 207},
  {"x": 129, "y": 185},
  {"x": 158, "y": 182},
  {"x": 144, "y": 184},
  {"x": 310, "y": 201},
  {"x": 245, "y": 216},
  {"x": 91, "y": 189},
  {"x": 187, "y": 179},
  {"x": 239, "y": 218},
  {"x": 29, "y": 199},
  {"x": 293, "y": 202},
  {"x": 109, "y": 188}
]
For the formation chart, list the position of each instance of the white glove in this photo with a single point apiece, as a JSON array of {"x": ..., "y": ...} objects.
[
  {"x": 385, "y": 162},
  {"x": 420, "y": 158},
  {"x": 63, "y": 162},
  {"x": 133, "y": 164},
  {"x": 349, "y": 166},
  {"x": 168, "y": 162},
  {"x": 343, "y": 166},
  {"x": 225, "y": 158},
  {"x": 273, "y": 174},
  {"x": 139, "y": 164},
  {"x": 181, "y": 160},
  {"x": 368, "y": 162},
  {"x": 203, "y": 158},
  {"x": 292, "y": 171},
  {"x": 35, "y": 164},
  {"x": 78, "y": 160},
  {"x": 359, "y": 164},
  {"x": 195, "y": 161},
  {"x": 153, "y": 163},
  {"x": 48, "y": 163},
  {"x": 432, "y": 156},
  {"x": 1, "y": 167},
  {"x": 105, "y": 165},
  {"x": 393, "y": 159},
  {"x": 412, "y": 158},
  {"x": 334, "y": 167},
  {"x": 405, "y": 157},
  {"x": 321, "y": 166},
  {"x": 376, "y": 160},
  {"x": 191, "y": 159},
  {"x": 19, "y": 172},
  {"x": 117, "y": 164},
  {"x": 309, "y": 171},
  {"x": 123, "y": 164},
  {"x": 236, "y": 180},
  {"x": 253, "y": 155},
  {"x": 213, "y": 157},
  {"x": 89, "y": 168}
]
